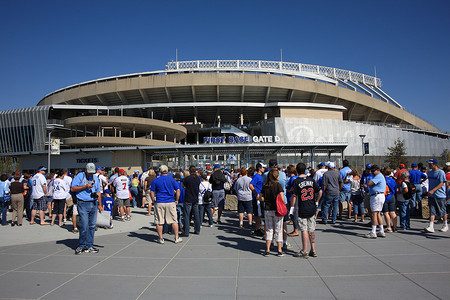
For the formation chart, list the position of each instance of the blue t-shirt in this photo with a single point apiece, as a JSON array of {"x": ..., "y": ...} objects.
[
  {"x": 182, "y": 192},
  {"x": 380, "y": 184},
  {"x": 80, "y": 180},
  {"x": 164, "y": 187},
  {"x": 415, "y": 176},
  {"x": 434, "y": 179},
  {"x": 289, "y": 186},
  {"x": 257, "y": 182},
  {"x": 392, "y": 187},
  {"x": 343, "y": 172},
  {"x": 365, "y": 178},
  {"x": 108, "y": 203}
]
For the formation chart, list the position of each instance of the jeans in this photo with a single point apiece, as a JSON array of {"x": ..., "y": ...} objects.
[
  {"x": 188, "y": 207},
  {"x": 87, "y": 211},
  {"x": 404, "y": 209},
  {"x": 358, "y": 204},
  {"x": 330, "y": 201},
  {"x": 416, "y": 199},
  {"x": 202, "y": 208},
  {"x": 3, "y": 209},
  {"x": 134, "y": 193}
]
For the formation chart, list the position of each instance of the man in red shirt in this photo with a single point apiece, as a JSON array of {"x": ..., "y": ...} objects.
[{"x": 397, "y": 175}]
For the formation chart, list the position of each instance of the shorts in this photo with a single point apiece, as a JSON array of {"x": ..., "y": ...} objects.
[
  {"x": 165, "y": 212},
  {"x": 377, "y": 202},
  {"x": 218, "y": 198},
  {"x": 123, "y": 202},
  {"x": 147, "y": 196},
  {"x": 437, "y": 206},
  {"x": 389, "y": 206},
  {"x": 245, "y": 206},
  {"x": 58, "y": 206},
  {"x": 345, "y": 196},
  {"x": 49, "y": 199},
  {"x": 75, "y": 210},
  {"x": 40, "y": 204},
  {"x": 307, "y": 224}
]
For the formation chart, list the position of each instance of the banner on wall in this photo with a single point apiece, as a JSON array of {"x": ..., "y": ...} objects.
[{"x": 55, "y": 147}]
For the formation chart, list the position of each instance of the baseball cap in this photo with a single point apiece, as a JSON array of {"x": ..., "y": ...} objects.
[
  {"x": 402, "y": 165},
  {"x": 164, "y": 168},
  {"x": 413, "y": 165},
  {"x": 42, "y": 169},
  {"x": 216, "y": 166},
  {"x": 432, "y": 161},
  {"x": 136, "y": 171},
  {"x": 273, "y": 162},
  {"x": 99, "y": 168},
  {"x": 368, "y": 166},
  {"x": 331, "y": 165},
  {"x": 90, "y": 168},
  {"x": 145, "y": 170},
  {"x": 121, "y": 171},
  {"x": 322, "y": 164},
  {"x": 106, "y": 191}
]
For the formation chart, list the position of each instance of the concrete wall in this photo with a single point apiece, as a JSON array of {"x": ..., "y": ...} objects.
[{"x": 311, "y": 113}]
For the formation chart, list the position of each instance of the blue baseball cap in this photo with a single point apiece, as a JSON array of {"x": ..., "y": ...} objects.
[
  {"x": 106, "y": 191},
  {"x": 145, "y": 170},
  {"x": 99, "y": 168},
  {"x": 413, "y": 165},
  {"x": 432, "y": 161},
  {"x": 368, "y": 166},
  {"x": 42, "y": 169},
  {"x": 216, "y": 166},
  {"x": 322, "y": 164}
]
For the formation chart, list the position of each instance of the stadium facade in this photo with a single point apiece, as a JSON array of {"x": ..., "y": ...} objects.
[{"x": 235, "y": 112}]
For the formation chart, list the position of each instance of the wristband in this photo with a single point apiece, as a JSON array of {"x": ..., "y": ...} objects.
[{"x": 291, "y": 211}]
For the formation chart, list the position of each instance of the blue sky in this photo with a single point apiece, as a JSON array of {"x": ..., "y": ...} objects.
[{"x": 48, "y": 45}]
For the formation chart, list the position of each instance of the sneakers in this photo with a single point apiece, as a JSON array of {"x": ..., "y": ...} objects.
[
  {"x": 280, "y": 254},
  {"x": 371, "y": 235},
  {"x": 429, "y": 229},
  {"x": 178, "y": 240},
  {"x": 381, "y": 234},
  {"x": 266, "y": 253},
  {"x": 313, "y": 253},
  {"x": 75, "y": 230},
  {"x": 128, "y": 218},
  {"x": 389, "y": 230},
  {"x": 161, "y": 241},
  {"x": 287, "y": 246},
  {"x": 301, "y": 254},
  {"x": 91, "y": 250},
  {"x": 78, "y": 251},
  {"x": 211, "y": 226},
  {"x": 444, "y": 228}
]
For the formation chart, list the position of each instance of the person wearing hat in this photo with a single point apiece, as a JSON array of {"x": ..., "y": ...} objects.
[
  {"x": 398, "y": 174},
  {"x": 332, "y": 183},
  {"x": 436, "y": 195},
  {"x": 416, "y": 177},
  {"x": 321, "y": 169},
  {"x": 217, "y": 181},
  {"x": 121, "y": 184},
  {"x": 377, "y": 188},
  {"x": 165, "y": 193},
  {"x": 39, "y": 190},
  {"x": 87, "y": 190}
]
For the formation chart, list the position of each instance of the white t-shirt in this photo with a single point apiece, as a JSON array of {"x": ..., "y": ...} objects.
[
  {"x": 60, "y": 189},
  {"x": 37, "y": 182},
  {"x": 204, "y": 185},
  {"x": 102, "y": 180},
  {"x": 319, "y": 174},
  {"x": 68, "y": 181},
  {"x": 122, "y": 188}
]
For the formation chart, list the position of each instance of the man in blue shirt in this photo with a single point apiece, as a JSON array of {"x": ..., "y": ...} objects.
[
  {"x": 436, "y": 195},
  {"x": 165, "y": 193},
  {"x": 345, "y": 195},
  {"x": 87, "y": 190},
  {"x": 377, "y": 187},
  {"x": 256, "y": 186},
  {"x": 416, "y": 177}
]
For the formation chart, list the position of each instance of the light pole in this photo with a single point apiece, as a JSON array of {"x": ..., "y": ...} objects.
[{"x": 362, "y": 136}]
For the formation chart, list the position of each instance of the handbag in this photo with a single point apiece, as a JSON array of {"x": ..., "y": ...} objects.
[
  {"x": 6, "y": 194},
  {"x": 281, "y": 207},
  {"x": 103, "y": 219}
]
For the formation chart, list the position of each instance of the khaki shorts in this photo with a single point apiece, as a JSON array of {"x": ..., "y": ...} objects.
[
  {"x": 148, "y": 197},
  {"x": 307, "y": 224},
  {"x": 165, "y": 212},
  {"x": 75, "y": 210}
]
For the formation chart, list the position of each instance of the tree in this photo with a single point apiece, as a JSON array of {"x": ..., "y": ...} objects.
[
  {"x": 397, "y": 154},
  {"x": 444, "y": 157}
]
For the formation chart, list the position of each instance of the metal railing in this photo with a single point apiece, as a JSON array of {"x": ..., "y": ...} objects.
[{"x": 290, "y": 68}]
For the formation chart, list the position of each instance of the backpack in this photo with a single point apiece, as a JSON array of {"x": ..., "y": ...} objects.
[
  {"x": 207, "y": 196},
  {"x": 281, "y": 207},
  {"x": 411, "y": 190}
]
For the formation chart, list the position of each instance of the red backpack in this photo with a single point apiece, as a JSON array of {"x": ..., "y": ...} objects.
[{"x": 281, "y": 207}]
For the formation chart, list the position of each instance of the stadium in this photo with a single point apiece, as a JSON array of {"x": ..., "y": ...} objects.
[{"x": 232, "y": 112}]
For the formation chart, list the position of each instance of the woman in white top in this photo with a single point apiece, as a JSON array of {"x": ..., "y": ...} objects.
[
  {"x": 205, "y": 185},
  {"x": 59, "y": 197},
  {"x": 356, "y": 196}
]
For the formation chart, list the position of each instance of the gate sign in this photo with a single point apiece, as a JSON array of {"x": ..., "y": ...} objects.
[{"x": 241, "y": 139}]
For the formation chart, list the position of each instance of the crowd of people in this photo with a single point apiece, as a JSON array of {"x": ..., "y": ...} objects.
[{"x": 270, "y": 197}]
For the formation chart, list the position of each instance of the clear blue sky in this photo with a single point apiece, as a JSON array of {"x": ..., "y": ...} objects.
[{"x": 48, "y": 45}]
